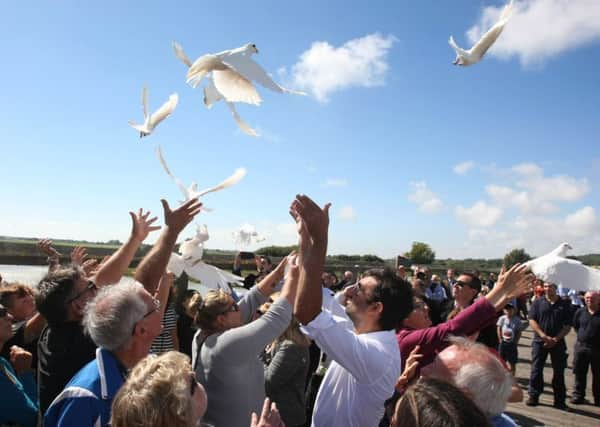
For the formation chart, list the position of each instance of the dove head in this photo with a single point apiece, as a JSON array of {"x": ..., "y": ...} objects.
[
  {"x": 251, "y": 48},
  {"x": 562, "y": 249}
]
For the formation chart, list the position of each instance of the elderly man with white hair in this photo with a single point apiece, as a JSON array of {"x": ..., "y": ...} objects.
[
  {"x": 471, "y": 367},
  {"x": 122, "y": 320}
]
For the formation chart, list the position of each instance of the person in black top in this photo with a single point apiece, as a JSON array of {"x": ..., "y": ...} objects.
[
  {"x": 587, "y": 348},
  {"x": 63, "y": 348},
  {"x": 550, "y": 319}
]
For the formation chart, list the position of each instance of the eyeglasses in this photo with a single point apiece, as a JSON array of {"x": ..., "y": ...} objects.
[
  {"x": 3, "y": 312},
  {"x": 91, "y": 286},
  {"x": 154, "y": 309},
  {"x": 370, "y": 299},
  {"x": 232, "y": 308}
]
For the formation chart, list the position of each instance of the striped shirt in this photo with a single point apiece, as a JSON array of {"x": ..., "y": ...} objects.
[{"x": 164, "y": 342}]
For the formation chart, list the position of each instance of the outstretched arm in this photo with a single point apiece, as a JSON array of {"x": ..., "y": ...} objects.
[
  {"x": 153, "y": 265},
  {"x": 312, "y": 224},
  {"x": 113, "y": 269}
]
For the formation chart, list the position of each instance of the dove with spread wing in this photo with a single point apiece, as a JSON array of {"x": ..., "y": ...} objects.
[
  {"x": 190, "y": 260},
  {"x": 556, "y": 268},
  {"x": 212, "y": 94},
  {"x": 192, "y": 192},
  {"x": 233, "y": 72},
  {"x": 152, "y": 120},
  {"x": 474, "y": 55}
]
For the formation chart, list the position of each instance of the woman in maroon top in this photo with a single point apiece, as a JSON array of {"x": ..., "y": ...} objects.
[{"x": 416, "y": 329}]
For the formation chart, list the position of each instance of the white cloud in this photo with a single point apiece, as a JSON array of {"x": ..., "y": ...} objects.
[
  {"x": 480, "y": 215},
  {"x": 532, "y": 192},
  {"x": 582, "y": 222},
  {"x": 463, "y": 168},
  {"x": 347, "y": 213},
  {"x": 425, "y": 199},
  {"x": 324, "y": 69},
  {"x": 541, "y": 29},
  {"x": 335, "y": 182}
]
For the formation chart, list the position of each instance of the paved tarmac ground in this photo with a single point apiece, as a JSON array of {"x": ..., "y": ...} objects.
[{"x": 544, "y": 414}]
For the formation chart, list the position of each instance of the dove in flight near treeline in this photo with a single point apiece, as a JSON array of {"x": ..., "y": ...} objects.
[
  {"x": 192, "y": 192},
  {"x": 152, "y": 120},
  {"x": 212, "y": 94},
  {"x": 246, "y": 234},
  {"x": 556, "y": 268},
  {"x": 474, "y": 55},
  {"x": 233, "y": 72},
  {"x": 190, "y": 260}
]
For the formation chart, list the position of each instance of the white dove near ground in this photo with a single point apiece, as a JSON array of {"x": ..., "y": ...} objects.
[
  {"x": 192, "y": 192},
  {"x": 474, "y": 55},
  {"x": 556, "y": 268},
  {"x": 212, "y": 94},
  {"x": 247, "y": 234},
  {"x": 190, "y": 260},
  {"x": 233, "y": 72},
  {"x": 152, "y": 120}
]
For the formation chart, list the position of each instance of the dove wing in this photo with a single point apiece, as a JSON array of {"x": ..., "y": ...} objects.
[
  {"x": 162, "y": 161},
  {"x": 240, "y": 122},
  {"x": 164, "y": 111},
  {"x": 571, "y": 274},
  {"x": 145, "y": 103},
  {"x": 233, "y": 179},
  {"x": 176, "y": 264},
  {"x": 202, "y": 66},
  {"x": 180, "y": 54},
  {"x": 243, "y": 64},
  {"x": 234, "y": 87},
  {"x": 211, "y": 94},
  {"x": 481, "y": 47}
]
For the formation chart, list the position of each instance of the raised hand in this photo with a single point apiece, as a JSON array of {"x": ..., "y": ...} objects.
[
  {"x": 312, "y": 221},
  {"x": 179, "y": 218},
  {"x": 269, "y": 417},
  {"x": 410, "y": 368},
  {"x": 510, "y": 284},
  {"x": 90, "y": 266},
  {"x": 142, "y": 226},
  {"x": 45, "y": 246},
  {"x": 78, "y": 255}
]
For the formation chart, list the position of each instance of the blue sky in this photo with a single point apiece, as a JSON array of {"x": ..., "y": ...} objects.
[{"x": 473, "y": 161}]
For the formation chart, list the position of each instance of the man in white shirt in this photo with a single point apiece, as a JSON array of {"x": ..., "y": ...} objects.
[{"x": 366, "y": 360}]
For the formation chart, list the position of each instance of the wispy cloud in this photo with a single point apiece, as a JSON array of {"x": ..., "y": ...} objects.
[
  {"x": 541, "y": 29},
  {"x": 335, "y": 182},
  {"x": 324, "y": 69},
  {"x": 480, "y": 215},
  {"x": 463, "y": 168},
  {"x": 425, "y": 199},
  {"x": 347, "y": 213}
]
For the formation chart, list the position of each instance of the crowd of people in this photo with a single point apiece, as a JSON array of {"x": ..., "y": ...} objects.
[{"x": 300, "y": 347}]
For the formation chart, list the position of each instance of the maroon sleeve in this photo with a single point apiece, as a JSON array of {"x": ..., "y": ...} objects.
[{"x": 432, "y": 340}]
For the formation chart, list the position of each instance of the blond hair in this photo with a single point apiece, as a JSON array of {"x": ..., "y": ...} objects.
[
  {"x": 156, "y": 393},
  {"x": 208, "y": 308}
]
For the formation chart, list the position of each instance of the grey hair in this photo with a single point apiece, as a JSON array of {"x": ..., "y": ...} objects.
[
  {"x": 110, "y": 317},
  {"x": 482, "y": 377}
]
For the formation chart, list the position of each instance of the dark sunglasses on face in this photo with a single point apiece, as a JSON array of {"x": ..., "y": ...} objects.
[
  {"x": 91, "y": 286},
  {"x": 3, "y": 312}
]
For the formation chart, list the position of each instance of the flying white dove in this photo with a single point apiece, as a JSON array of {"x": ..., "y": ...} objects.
[
  {"x": 556, "y": 268},
  {"x": 151, "y": 121},
  {"x": 233, "y": 72},
  {"x": 190, "y": 260},
  {"x": 474, "y": 55},
  {"x": 212, "y": 94},
  {"x": 192, "y": 192},
  {"x": 246, "y": 235}
]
